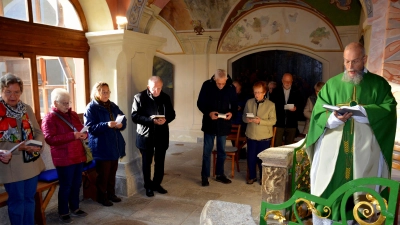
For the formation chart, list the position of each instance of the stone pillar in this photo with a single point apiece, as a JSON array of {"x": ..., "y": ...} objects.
[
  {"x": 124, "y": 59},
  {"x": 276, "y": 181}
]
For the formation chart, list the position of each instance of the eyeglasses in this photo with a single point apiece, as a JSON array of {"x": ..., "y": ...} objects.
[
  {"x": 105, "y": 92},
  {"x": 353, "y": 62},
  {"x": 65, "y": 103},
  {"x": 15, "y": 93}
]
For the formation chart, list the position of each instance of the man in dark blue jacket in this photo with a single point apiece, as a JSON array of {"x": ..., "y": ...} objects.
[
  {"x": 152, "y": 111},
  {"x": 218, "y": 103}
]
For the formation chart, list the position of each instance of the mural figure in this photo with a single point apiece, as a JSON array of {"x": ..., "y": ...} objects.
[
  {"x": 275, "y": 27},
  {"x": 198, "y": 28},
  {"x": 318, "y": 34},
  {"x": 342, "y": 4}
]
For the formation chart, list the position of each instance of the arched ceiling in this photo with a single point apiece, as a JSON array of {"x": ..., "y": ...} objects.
[{"x": 213, "y": 14}]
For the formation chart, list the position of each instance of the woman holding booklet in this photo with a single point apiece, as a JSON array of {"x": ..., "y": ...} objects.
[
  {"x": 60, "y": 129},
  {"x": 103, "y": 118},
  {"x": 19, "y": 170},
  {"x": 259, "y": 114}
]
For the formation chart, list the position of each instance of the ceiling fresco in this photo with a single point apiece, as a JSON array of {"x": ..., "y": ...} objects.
[{"x": 214, "y": 14}]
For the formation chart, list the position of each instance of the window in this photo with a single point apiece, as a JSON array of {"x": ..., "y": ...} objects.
[
  {"x": 37, "y": 48},
  {"x": 22, "y": 69},
  {"x": 14, "y": 9},
  {"x": 59, "y": 13}
]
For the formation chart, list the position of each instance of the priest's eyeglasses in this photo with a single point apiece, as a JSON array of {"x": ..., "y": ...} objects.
[{"x": 353, "y": 62}]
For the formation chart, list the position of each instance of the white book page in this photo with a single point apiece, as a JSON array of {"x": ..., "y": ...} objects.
[
  {"x": 84, "y": 129},
  {"x": 119, "y": 118}
]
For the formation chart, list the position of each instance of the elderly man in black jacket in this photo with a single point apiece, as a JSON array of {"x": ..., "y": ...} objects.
[
  {"x": 218, "y": 103},
  {"x": 152, "y": 111},
  {"x": 287, "y": 101}
]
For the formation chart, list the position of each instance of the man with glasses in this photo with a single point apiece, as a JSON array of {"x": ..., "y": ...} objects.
[
  {"x": 218, "y": 103},
  {"x": 152, "y": 111},
  {"x": 342, "y": 146},
  {"x": 287, "y": 100}
]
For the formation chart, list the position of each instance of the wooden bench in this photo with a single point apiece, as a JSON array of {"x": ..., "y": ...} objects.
[{"x": 41, "y": 201}]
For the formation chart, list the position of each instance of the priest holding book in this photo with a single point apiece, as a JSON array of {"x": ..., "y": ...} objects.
[{"x": 342, "y": 146}]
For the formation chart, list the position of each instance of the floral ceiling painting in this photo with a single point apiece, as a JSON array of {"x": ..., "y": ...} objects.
[{"x": 274, "y": 25}]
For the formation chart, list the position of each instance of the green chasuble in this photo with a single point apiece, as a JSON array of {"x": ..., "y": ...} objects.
[{"x": 374, "y": 94}]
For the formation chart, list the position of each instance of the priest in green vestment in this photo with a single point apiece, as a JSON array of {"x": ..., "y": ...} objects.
[{"x": 342, "y": 146}]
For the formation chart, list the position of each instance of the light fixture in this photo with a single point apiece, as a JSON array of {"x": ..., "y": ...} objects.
[{"x": 121, "y": 21}]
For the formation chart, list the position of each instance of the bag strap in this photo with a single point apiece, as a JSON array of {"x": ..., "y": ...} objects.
[{"x": 63, "y": 119}]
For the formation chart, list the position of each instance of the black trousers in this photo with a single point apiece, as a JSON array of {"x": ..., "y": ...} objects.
[
  {"x": 105, "y": 181},
  {"x": 147, "y": 159}
]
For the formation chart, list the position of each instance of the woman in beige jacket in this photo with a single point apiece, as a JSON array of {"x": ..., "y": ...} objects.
[{"x": 259, "y": 114}]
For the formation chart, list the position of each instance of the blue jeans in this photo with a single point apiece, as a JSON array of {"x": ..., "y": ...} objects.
[
  {"x": 207, "y": 149},
  {"x": 70, "y": 179},
  {"x": 21, "y": 201},
  {"x": 253, "y": 148}
]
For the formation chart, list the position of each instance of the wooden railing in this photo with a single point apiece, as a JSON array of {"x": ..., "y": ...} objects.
[{"x": 303, "y": 204}]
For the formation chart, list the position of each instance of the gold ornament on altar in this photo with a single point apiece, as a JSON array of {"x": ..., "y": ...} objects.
[{"x": 198, "y": 28}]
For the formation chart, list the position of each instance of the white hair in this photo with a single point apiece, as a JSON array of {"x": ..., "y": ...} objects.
[
  {"x": 220, "y": 74},
  {"x": 57, "y": 94},
  {"x": 154, "y": 79}
]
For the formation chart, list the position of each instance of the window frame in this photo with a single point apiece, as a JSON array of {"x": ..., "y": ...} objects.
[{"x": 29, "y": 40}]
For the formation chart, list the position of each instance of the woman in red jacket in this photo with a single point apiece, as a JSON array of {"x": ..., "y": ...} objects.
[{"x": 67, "y": 152}]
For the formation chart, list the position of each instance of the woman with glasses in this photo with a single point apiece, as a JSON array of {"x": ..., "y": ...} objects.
[
  {"x": 259, "y": 114},
  {"x": 105, "y": 140},
  {"x": 67, "y": 152},
  {"x": 19, "y": 170}
]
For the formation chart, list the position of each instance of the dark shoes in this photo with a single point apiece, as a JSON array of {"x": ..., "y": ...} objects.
[
  {"x": 161, "y": 190},
  {"x": 114, "y": 199},
  {"x": 204, "y": 181},
  {"x": 149, "y": 193},
  {"x": 65, "y": 219},
  {"x": 251, "y": 181},
  {"x": 79, "y": 213},
  {"x": 223, "y": 179}
]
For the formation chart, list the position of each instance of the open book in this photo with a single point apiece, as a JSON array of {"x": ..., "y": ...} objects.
[
  {"x": 344, "y": 109},
  {"x": 250, "y": 115},
  {"x": 222, "y": 115},
  {"x": 29, "y": 143},
  {"x": 157, "y": 116}
]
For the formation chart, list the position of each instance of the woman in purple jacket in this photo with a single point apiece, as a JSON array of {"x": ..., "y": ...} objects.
[{"x": 67, "y": 152}]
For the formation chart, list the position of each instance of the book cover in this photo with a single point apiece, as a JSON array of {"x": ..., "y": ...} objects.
[
  {"x": 250, "y": 115},
  {"x": 222, "y": 115},
  {"x": 157, "y": 116},
  {"x": 342, "y": 110}
]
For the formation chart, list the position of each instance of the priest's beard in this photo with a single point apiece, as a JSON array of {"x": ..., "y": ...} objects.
[{"x": 355, "y": 80}]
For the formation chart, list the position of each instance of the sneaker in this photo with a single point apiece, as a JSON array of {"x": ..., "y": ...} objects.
[
  {"x": 65, "y": 219},
  {"x": 223, "y": 179},
  {"x": 204, "y": 182},
  {"x": 79, "y": 213},
  {"x": 114, "y": 198}
]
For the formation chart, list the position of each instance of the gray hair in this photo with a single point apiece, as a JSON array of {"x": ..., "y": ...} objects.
[
  {"x": 154, "y": 79},
  {"x": 96, "y": 88},
  {"x": 57, "y": 94},
  {"x": 220, "y": 74},
  {"x": 356, "y": 79},
  {"x": 8, "y": 79}
]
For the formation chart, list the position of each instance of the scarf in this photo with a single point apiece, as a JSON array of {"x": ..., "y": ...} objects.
[
  {"x": 9, "y": 119},
  {"x": 106, "y": 105}
]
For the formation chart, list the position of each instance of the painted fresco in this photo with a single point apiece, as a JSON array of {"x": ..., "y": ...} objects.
[
  {"x": 165, "y": 70},
  {"x": 342, "y": 4},
  {"x": 211, "y": 13},
  {"x": 280, "y": 25}
]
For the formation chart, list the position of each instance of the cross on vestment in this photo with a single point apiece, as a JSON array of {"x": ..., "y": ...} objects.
[{"x": 348, "y": 139}]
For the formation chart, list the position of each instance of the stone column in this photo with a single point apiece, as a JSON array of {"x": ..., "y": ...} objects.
[
  {"x": 276, "y": 181},
  {"x": 124, "y": 59}
]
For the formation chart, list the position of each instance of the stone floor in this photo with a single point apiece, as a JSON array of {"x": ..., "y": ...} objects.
[{"x": 184, "y": 201}]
